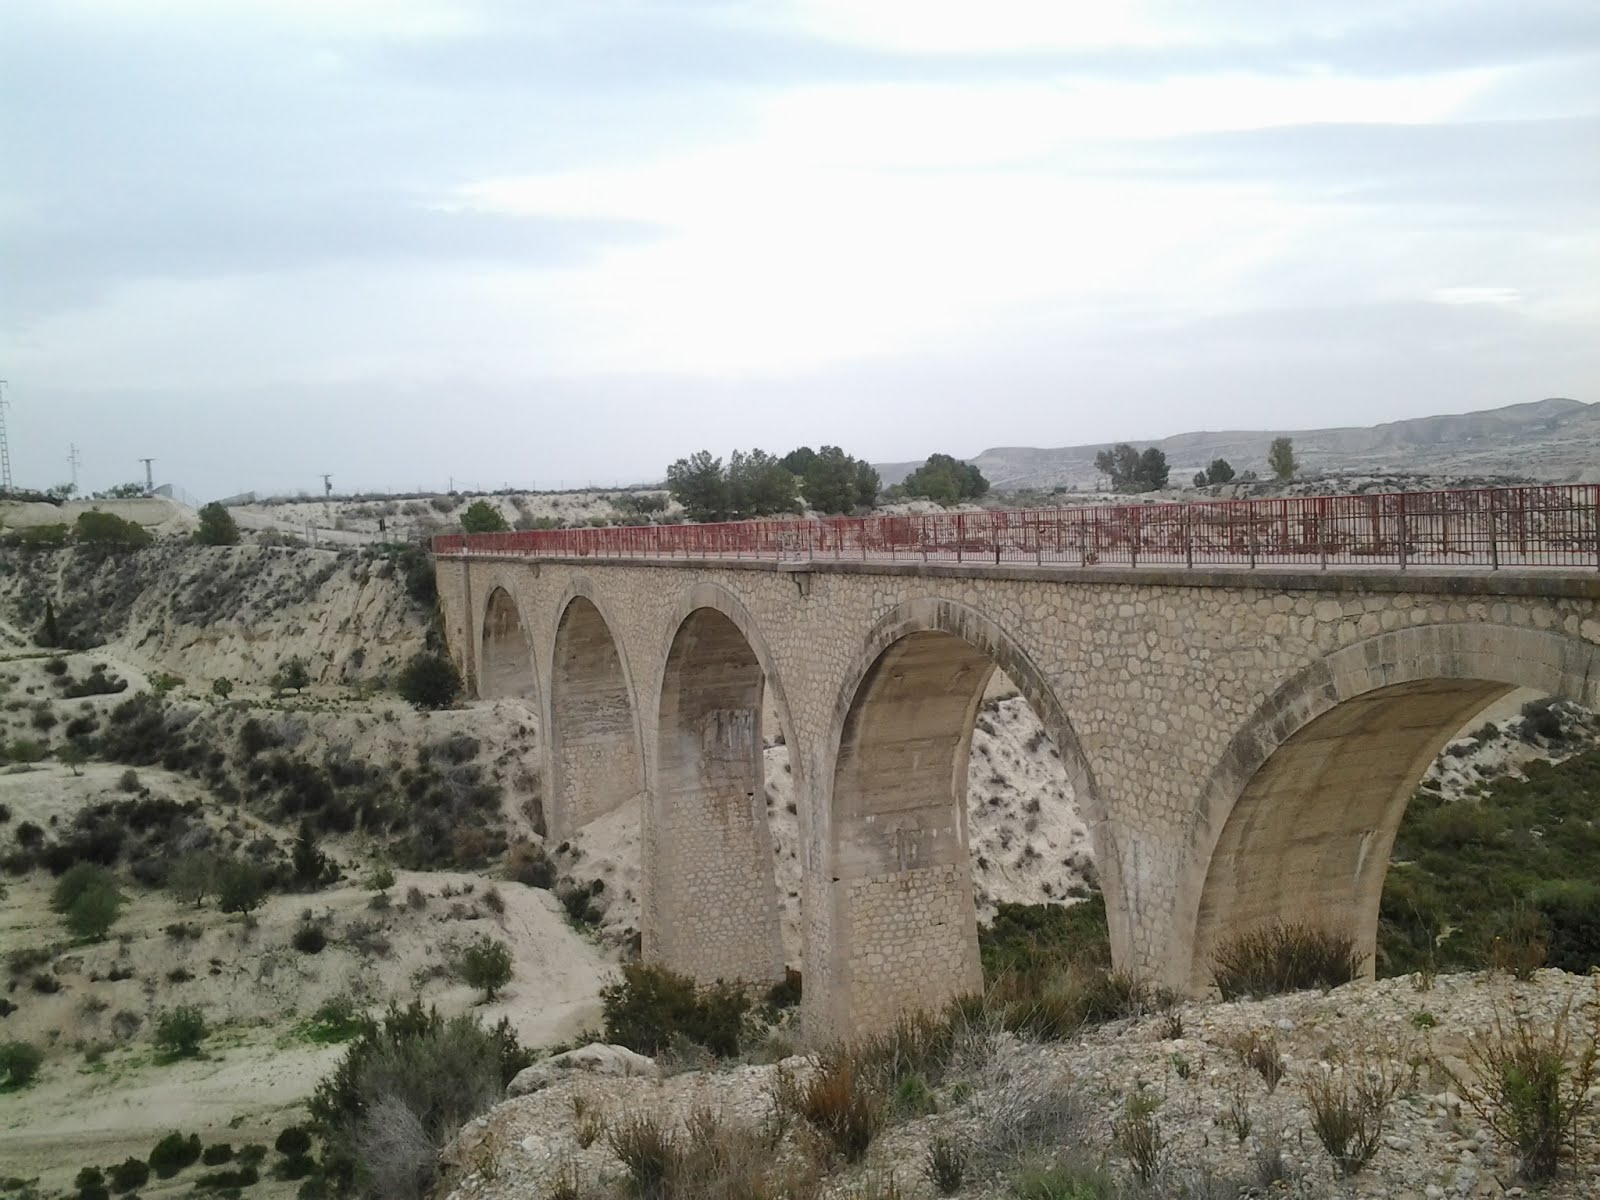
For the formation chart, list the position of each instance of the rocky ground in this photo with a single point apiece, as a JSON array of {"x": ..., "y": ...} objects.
[{"x": 1226, "y": 1127}]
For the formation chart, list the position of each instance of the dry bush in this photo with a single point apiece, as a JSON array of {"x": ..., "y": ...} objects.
[
  {"x": 1138, "y": 1135},
  {"x": 946, "y": 1165},
  {"x": 1283, "y": 957},
  {"x": 1533, "y": 1084},
  {"x": 1025, "y": 1115},
  {"x": 1259, "y": 1051},
  {"x": 1056, "y": 1003},
  {"x": 841, "y": 1102},
  {"x": 1349, "y": 1106},
  {"x": 397, "y": 1152}
]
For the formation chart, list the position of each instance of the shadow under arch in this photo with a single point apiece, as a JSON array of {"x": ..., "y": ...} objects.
[
  {"x": 900, "y": 905},
  {"x": 1298, "y": 818},
  {"x": 713, "y": 909},
  {"x": 596, "y": 751},
  {"x": 505, "y": 663}
]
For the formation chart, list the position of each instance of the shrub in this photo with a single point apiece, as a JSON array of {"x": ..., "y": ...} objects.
[
  {"x": 1520, "y": 944},
  {"x": 788, "y": 993},
  {"x": 1533, "y": 1085},
  {"x": 528, "y": 864},
  {"x": 946, "y": 1164},
  {"x": 1571, "y": 912},
  {"x": 651, "y": 1005},
  {"x": 75, "y": 881},
  {"x": 1283, "y": 957},
  {"x": 178, "y": 1033},
  {"x": 293, "y": 1140},
  {"x": 129, "y": 1174},
  {"x": 216, "y": 1154},
  {"x": 337, "y": 1019},
  {"x": 217, "y": 527},
  {"x": 1138, "y": 1135},
  {"x": 94, "y": 913},
  {"x": 293, "y": 676},
  {"x": 309, "y": 938},
  {"x": 429, "y": 681},
  {"x": 404, "y": 1087},
  {"x": 173, "y": 1153},
  {"x": 483, "y": 517},
  {"x": 648, "y": 1149},
  {"x": 19, "y": 1063},
  {"x": 1348, "y": 1108},
  {"x": 842, "y": 1105},
  {"x": 380, "y": 878},
  {"x": 486, "y": 964},
  {"x": 240, "y": 887},
  {"x": 25, "y": 750}
]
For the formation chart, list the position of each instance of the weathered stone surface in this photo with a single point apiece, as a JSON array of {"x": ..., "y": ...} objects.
[
  {"x": 1241, "y": 744},
  {"x": 597, "y": 1058}
]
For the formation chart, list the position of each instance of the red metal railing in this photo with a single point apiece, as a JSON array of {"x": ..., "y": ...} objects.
[{"x": 1555, "y": 526}]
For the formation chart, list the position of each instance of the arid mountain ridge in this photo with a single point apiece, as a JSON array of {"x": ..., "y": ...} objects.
[{"x": 1555, "y": 440}]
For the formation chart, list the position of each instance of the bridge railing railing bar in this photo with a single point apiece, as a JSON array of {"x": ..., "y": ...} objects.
[{"x": 1555, "y": 525}]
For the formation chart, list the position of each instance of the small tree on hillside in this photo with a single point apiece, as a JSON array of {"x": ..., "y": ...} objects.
[
  {"x": 483, "y": 517},
  {"x": 311, "y": 866},
  {"x": 1131, "y": 471},
  {"x": 72, "y": 755},
  {"x": 49, "y": 632},
  {"x": 240, "y": 888},
  {"x": 836, "y": 483},
  {"x": 94, "y": 912},
  {"x": 429, "y": 681},
  {"x": 217, "y": 527},
  {"x": 193, "y": 877},
  {"x": 1281, "y": 458},
  {"x": 1220, "y": 471},
  {"x": 486, "y": 964},
  {"x": 292, "y": 676},
  {"x": 1153, "y": 470}
]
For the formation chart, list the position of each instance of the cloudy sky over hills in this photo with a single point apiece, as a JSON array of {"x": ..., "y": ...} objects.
[{"x": 567, "y": 240}]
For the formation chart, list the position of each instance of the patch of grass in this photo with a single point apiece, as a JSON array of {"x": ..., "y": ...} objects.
[{"x": 1283, "y": 957}]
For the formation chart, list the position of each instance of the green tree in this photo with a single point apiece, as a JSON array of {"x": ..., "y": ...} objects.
[
  {"x": 486, "y": 964},
  {"x": 946, "y": 480},
  {"x": 49, "y": 633},
  {"x": 193, "y": 877},
  {"x": 217, "y": 527},
  {"x": 311, "y": 865},
  {"x": 798, "y": 462},
  {"x": 1281, "y": 458},
  {"x": 1220, "y": 471},
  {"x": 77, "y": 879},
  {"x": 483, "y": 517},
  {"x": 222, "y": 687},
  {"x": 1120, "y": 465},
  {"x": 700, "y": 485},
  {"x": 240, "y": 887},
  {"x": 429, "y": 681},
  {"x": 292, "y": 676},
  {"x": 1153, "y": 470},
  {"x": 94, "y": 912},
  {"x": 759, "y": 485},
  {"x": 123, "y": 491},
  {"x": 836, "y": 482},
  {"x": 72, "y": 755},
  {"x": 109, "y": 532}
]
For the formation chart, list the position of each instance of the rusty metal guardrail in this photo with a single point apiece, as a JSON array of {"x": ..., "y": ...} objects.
[{"x": 1552, "y": 526}]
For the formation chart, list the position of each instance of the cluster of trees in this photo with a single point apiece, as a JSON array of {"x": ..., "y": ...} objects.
[
  {"x": 1220, "y": 471},
  {"x": 757, "y": 484},
  {"x": 1132, "y": 471},
  {"x": 945, "y": 479}
]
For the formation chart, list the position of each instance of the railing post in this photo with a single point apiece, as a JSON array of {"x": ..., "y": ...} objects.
[
  {"x": 1322, "y": 535},
  {"x": 1596, "y": 507},
  {"x": 1250, "y": 526},
  {"x": 961, "y": 537},
  {"x": 1401, "y": 527},
  {"x": 1133, "y": 538},
  {"x": 1188, "y": 536},
  {"x": 1494, "y": 536}
]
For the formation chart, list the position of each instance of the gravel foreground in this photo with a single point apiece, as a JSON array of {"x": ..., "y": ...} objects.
[{"x": 1433, "y": 1145}]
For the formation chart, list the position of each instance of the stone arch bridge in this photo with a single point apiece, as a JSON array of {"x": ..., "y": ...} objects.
[{"x": 1241, "y": 740}]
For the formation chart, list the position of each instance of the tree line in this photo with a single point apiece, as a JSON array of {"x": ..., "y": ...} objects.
[{"x": 1132, "y": 470}]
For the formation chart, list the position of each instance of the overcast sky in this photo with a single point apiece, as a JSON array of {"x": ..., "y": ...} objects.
[{"x": 537, "y": 240}]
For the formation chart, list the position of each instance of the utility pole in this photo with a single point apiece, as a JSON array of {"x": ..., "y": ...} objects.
[
  {"x": 5, "y": 442},
  {"x": 72, "y": 461},
  {"x": 149, "y": 479},
  {"x": 327, "y": 486}
]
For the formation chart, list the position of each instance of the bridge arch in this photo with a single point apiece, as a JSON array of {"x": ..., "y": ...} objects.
[
  {"x": 713, "y": 907},
  {"x": 1298, "y": 818},
  {"x": 505, "y": 651},
  {"x": 903, "y": 925},
  {"x": 596, "y": 751}
]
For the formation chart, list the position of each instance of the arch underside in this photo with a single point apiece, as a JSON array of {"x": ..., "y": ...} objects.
[
  {"x": 906, "y": 926},
  {"x": 1310, "y": 835},
  {"x": 595, "y": 756},
  {"x": 719, "y": 899},
  {"x": 506, "y": 658}
]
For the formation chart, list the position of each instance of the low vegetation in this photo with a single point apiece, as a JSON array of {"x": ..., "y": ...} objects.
[{"x": 1283, "y": 957}]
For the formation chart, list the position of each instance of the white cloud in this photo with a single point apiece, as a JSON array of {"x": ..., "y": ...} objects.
[{"x": 1475, "y": 295}]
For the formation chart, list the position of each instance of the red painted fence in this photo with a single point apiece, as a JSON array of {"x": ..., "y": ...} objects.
[{"x": 1556, "y": 526}]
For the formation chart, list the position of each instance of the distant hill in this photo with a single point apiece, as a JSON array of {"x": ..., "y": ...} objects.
[{"x": 1554, "y": 440}]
